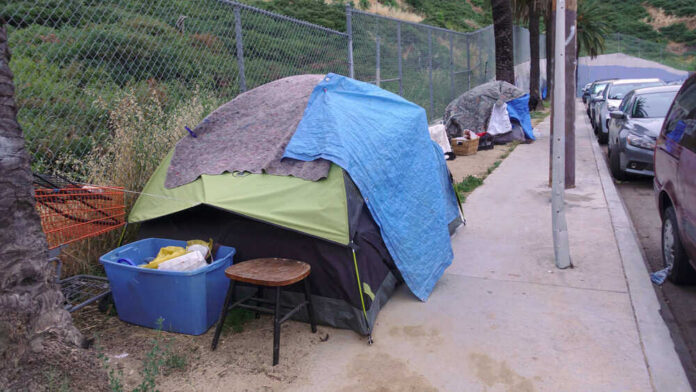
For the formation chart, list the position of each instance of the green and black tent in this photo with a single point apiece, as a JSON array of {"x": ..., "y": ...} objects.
[{"x": 324, "y": 223}]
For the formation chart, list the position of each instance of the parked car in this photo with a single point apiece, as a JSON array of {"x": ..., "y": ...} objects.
[
  {"x": 585, "y": 92},
  {"x": 596, "y": 91},
  {"x": 675, "y": 184},
  {"x": 634, "y": 127},
  {"x": 611, "y": 98}
]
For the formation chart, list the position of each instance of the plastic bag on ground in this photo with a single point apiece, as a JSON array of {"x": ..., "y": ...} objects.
[
  {"x": 658, "y": 277},
  {"x": 189, "y": 262}
]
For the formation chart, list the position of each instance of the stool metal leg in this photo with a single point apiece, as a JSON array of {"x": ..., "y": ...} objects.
[
  {"x": 223, "y": 314},
  {"x": 276, "y": 327},
  {"x": 310, "y": 307}
]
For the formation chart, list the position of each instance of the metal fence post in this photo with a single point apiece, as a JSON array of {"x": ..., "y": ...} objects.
[
  {"x": 618, "y": 42},
  {"x": 349, "y": 30},
  {"x": 401, "y": 74},
  {"x": 430, "y": 70},
  {"x": 377, "y": 59},
  {"x": 451, "y": 39},
  {"x": 240, "y": 48},
  {"x": 468, "y": 62},
  {"x": 558, "y": 220}
]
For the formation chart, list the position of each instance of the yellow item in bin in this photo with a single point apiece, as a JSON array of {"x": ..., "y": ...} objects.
[{"x": 166, "y": 253}]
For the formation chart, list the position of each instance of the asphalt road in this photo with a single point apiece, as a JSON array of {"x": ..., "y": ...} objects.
[{"x": 678, "y": 302}]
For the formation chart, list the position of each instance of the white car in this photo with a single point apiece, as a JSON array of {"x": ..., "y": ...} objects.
[{"x": 611, "y": 98}]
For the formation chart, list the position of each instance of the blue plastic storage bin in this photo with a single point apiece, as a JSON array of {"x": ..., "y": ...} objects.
[{"x": 188, "y": 302}]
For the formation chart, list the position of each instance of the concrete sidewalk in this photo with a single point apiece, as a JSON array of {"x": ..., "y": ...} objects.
[{"x": 503, "y": 318}]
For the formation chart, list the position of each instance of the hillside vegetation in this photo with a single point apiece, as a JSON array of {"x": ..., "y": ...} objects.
[{"x": 635, "y": 18}]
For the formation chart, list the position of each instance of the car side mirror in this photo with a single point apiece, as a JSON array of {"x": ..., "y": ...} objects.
[
  {"x": 598, "y": 99},
  {"x": 617, "y": 114}
]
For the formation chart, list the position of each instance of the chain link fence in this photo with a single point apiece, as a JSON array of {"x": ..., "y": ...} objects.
[
  {"x": 82, "y": 65},
  {"x": 427, "y": 65},
  {"x": 74, "y": 60}
]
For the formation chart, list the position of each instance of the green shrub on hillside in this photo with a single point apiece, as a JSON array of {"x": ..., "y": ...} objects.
[
  {"x": 679, "y": 33},
  {"x": 454, "y": 15},
  {"x": 676, "y": 7}
]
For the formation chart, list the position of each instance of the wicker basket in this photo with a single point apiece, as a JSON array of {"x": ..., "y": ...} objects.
[{"x": 461, "y": 146}]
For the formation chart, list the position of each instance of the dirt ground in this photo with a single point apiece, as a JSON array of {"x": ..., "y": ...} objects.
[
  {"x": 477, "y": 164},
  {"x": 242, "y": 361}
]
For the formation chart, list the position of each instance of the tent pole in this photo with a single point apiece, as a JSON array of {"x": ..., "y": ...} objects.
[{"x": 362, "y": 299}]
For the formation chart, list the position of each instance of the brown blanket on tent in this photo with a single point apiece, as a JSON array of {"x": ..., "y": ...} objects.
[{"x": 249, "y": 134}]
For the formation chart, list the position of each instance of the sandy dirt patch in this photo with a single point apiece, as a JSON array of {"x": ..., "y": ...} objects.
[
  {"x": 658, "y": 19},
  {"x": 242, "y": 361}
]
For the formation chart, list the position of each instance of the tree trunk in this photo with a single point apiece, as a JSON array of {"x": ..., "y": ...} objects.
[
  {"x": 502, "y": 29},
  {"x": 31, "y": 312},
  {"x": 534, "y": 94}
]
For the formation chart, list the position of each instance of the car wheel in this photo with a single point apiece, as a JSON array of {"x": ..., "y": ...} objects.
[
  {"x": 602, "y": 137},
  {"x": 673, "y": 253},
  {"x": 615, "y": 165}
]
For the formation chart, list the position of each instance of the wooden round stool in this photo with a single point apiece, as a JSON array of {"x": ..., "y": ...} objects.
[{"x": 271, "y": 272}]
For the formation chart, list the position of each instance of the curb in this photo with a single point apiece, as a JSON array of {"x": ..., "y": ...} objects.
[{"x": 661, "y": 359}]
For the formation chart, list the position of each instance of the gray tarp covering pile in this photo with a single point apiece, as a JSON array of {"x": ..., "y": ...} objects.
[
  {"x": 472, "y": 109},
  {"x": 263, "y": 120}
]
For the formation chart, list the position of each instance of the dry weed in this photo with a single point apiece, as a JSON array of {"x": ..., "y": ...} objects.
[{"x": 142, "y": 133}]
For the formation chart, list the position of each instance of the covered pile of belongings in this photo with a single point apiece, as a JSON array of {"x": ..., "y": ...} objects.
[{"x": 496, "y": 111}]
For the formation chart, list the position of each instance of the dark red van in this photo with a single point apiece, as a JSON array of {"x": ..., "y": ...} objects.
[{"x": 675, "y": 184}]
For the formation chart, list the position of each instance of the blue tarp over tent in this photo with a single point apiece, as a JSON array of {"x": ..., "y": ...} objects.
[
  {"x": 518, "y": 109},
  {"x": 382, "y": 141}
]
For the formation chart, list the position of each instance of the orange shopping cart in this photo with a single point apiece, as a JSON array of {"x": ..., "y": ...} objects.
[{"x": 71, "y": 212}]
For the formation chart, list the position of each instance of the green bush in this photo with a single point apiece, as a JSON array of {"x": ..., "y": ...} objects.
[{"x": 679, "y": 33}]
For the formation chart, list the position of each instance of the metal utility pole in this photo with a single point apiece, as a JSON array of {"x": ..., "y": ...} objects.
[{"x": 558, "y": 220}]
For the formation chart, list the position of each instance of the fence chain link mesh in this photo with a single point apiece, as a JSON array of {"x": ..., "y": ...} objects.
[
  {"x": 427, "y": 65},
  {"x": 675, "y": 56},
  {"x": 69, "y": 55},
  {"x": 73, "y": 58}
]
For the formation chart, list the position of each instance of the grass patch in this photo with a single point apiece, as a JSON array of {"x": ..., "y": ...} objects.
[
  {"x": 468, "y": 184},
  {"x": 235, "y": 320},
  {"x": 539, "y": 114}
]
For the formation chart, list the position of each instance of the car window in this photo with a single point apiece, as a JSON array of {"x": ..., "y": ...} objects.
[
  {"x": 598, "y": 88},
  {"x": 652, "y": 105},
  {"x": 680, "y": 124},
  {"x": 626, "y": 103},
  {"x": 618, "y": 91}
]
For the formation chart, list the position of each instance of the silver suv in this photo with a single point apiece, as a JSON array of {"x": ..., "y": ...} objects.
[{"x": 611, "y": 99}]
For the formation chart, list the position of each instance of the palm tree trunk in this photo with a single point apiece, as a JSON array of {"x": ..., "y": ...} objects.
[
  {"x": 534, "y": 95},
  {"x": 31, "y": 312},
  {"x": 502, "y": 29}
]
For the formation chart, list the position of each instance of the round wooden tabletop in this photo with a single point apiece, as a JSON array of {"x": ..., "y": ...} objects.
[{"x": 269, "y": 272}]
